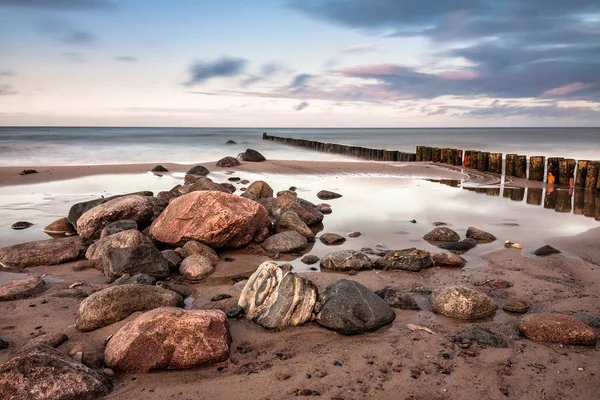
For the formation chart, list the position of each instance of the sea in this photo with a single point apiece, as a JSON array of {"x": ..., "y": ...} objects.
[{"x": 54, "y": 146}]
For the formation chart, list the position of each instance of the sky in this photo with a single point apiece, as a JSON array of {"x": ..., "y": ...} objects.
[{"x": 300, "y": 63}]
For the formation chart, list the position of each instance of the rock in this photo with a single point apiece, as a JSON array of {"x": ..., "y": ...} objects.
[
  {"x": 159, "y": 168},
  {"x": 589, "y": 318},
  {"x": 310, "y": 259},
  {"x": 459, "y": 247},
  {"x": 118, "y": 226},
  {"x": 234, "y": 179},
  {"x": 119, "y": 240},
  {"x": 515, "y": 306},
  {"x": 202, "y": 184},
  {"x": 195, "y": 247},
  {"x": 349, "y": 308},
  {"x": 482, "y": 336},
  {"x": 140, "y": 259},
  {"x": 286, "y": 193},
  {"x": 48, "y": 339},
  {"x": 285, "y": 242},
  {"x": 196, "y": 267},
  {"x": 448, "y": 260},
  {"x": 173, "y": 258},
  {"x": 137, "y": 208},
  {"x": 290, "y": 221},
  {"x": 478, "y": 234},
  {"x": 332, "y": 239},
  {"x": 462, "y": 303},
  {"x": 275, "y": 298},
  {"x": 198, "y": 170},
  {"x": 220, "y": 297},
  {"x": 28, "y": 172},
  {"x": 3, "y": 344},
  {"x": 307, "y": 211},
  {"x": 231, "y": 142},
  {"x": 93, "y": 359},
  {"x": 20, "y": 225},
  {"x": 43, "y": 252},
  {"x": 138, "y": 279},
  {"x": 44, "y": 373},
  {"x": 244, "y": 182},
  {"x": 235, "y": 312},
  {"x": 182, "y": 290},
  {"x": 324, "y": 208},
  {"x": 442, "y": 234},
  {"x": 252, "y": 156},
  {"x": 546, "y": 251},
  {"x": 346, "y": 260},
  {"x": 557, "y": 328},
  {"x": 260, "y": 189},
  {"x": 354, "y": 234},
  {"x": 116, "y": 303},
  {"x": 439, "y": 223},
  {"x": 219, "y": 220},
  {"x": 61, "y": 226},
  {"x": 78, "y": 209},
  {"x": 327, "y": 195},
  {"x": 229, "y": 187},
  {"x": 21, "y": 288},
  {"x": 169, "y": 338},
  {"x": 408, "y": 259},
  {"x": 396, "y": 298}
]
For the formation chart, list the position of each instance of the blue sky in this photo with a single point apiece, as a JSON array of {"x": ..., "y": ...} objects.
[{"x": 305, "y": 63}]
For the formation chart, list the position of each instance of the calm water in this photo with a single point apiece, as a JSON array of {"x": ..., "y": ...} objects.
[{"x": 89, "y": 146}]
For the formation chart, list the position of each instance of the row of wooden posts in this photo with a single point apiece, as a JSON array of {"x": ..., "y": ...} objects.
[{"x": 557, "y": 170}]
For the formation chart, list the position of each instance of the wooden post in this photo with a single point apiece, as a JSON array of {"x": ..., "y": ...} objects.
[
  {"x": 474, "y": 159},
  {"x": 563, "y": 201},
  {"x": 483, "y": 161},
  {"x": 412, "y": 157},
  {"x": 444, "y": 156},
  {"x": 510, "y": 165},
  {"x": 419, "y": 153},
  {"x": 459, "y": 158},
  {"x": 467, "y": 159},
  {"x": 521, "y": 167},
  {"x": 591, "y": 179},
  {"x": 428, "y": 154},
  {"x": 578, "y": 197},
  {"x": 534, "y": 196},
  {"x": 582, "y": 168},
  {"x": 553, "y": 170},
  {"x": 451, "y": 156},
  {"x": 536, "y": 168},
  {"x": 495, "y": 166},
  {"x": 566, "y": 172},
  {"x": 436, "y": 153},
  {"x": 589, "y": 199},
  {"x": 550, "y": 198}
]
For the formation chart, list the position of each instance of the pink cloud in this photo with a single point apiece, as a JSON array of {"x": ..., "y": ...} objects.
[
  {"x": 377, "y": 70},
  {"x": 570, "y": 88},
  {"x": 459, "y": 75}
]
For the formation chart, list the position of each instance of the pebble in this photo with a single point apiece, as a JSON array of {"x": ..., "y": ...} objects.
[
  {"x": 108, "y": 372},
  {"x": 354, "y": 234},
  {"x": 221, "y": 296},
  {"x": 21, "y": 225},
  {"x": 282, "y": 377},
  {"x": 337, "y": 363}
]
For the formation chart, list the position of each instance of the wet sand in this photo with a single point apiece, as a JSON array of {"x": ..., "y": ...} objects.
[{"x": 393, "y": 362}]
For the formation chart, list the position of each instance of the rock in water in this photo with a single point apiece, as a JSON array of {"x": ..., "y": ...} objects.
[
  {"x": 546, "y": 251},
  {"x": 230, "y": 188},
  {"x": 61, "y": 226},
  {"x": 228, "y": 162},
  {"x": 28, "y": 172},
  {"x": 118, "y": 226},
  {"x": 310, "y": 259},
  {"x": 332, "y": 239},
  {"x": 219, "y": 220},
  {"x": 19, "y": 225},
  {"x": 169, "y": 338},
  {"x": 140, "y": 259},
  {"x": 557, "y": 328},
  {"x": 202, "y": 184},
  {"x": 396, "y": 298},
  {"x": 324, "y": 208},
  {"x": 159, "y": 168},
  {"x": 478, "y": 234},
  {"x": 285, "y": 242},
  {"x": 116, "y": 303},
  {"x": 448, "y": 260},
  {"x": 252, "y": 156},
  {"x": 515, "y": 306},
  {"x": 346, "y": 260},
  {"x": 44, "y": 373},
  {"x": 195, "y": 247},
  {"x": 307, "y": 211},
  {"x": 459, "y": 247},
  {"x": 349, "y": 308},
  {"x": 442, "y": 234},
  {"x": 260, "y": 189},
  {"x": 78, "y": 209},
  {"x": 327, "y": 195},
  {"x": 408, "y": 259},
  {"x": 276, "y": 298},
  {"x": 137, "y": 208},
  {"x": 21, "y": 288},
  {"x": 462, "y": 303},
  {"x": 198, "y": 170},
  {"x": 482, "y": 336},
  {"x": 290, "y": 221},
  {"x": 196, "y": 267},
  {"x": 43, "y": 252},
  {"x": 120, "y": 240}
]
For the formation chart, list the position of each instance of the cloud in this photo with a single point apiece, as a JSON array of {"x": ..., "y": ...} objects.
[
  {"x": 63, "y": 31},
  {"x": 224, "y": 67},
  {"x": 126, "y": 58},
  {"x": 299, "y": 83},
  {"x": 570, "y": 88},
  {"x": 267, "y": 71},
  {"x": 6, "y": 90},
  {"x": 60, "y": 4},
  {"x": 359, "y": 48},
  {"x": 301, "y": 106},
  {"x": 6, "y": 72},
  {"x": 551, "y": 111}
]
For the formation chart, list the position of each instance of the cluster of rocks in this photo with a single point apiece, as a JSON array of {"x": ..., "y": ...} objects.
[{"x": 447, "y": 239}]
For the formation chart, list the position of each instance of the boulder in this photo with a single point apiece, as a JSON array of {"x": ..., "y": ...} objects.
[
  {"x": 159, "y": 168},
  {"x": 327, "y": 195},
  {"x": 310, "y": 259},
  {"x": 78, "y": 209},
  {"x": 228, "y": 162},
  {"x": 43, "y": 252},
  {"x": 47, "y": 339},
  {"x": 198, "y": 170},
  {"x": 448, "y": 260},
  {"x": 290, "y": 221},
  {"x": 307, "y": 211},
  {"x": 202, "y": 184},
  {"x": 118, "y": 226},
  {"x": 546, "y": 251},
  {"x": 557, "y": 328},
  {"x": 396, "y": 298},
  {"x": 138, "y": 279},
  {"x": 482, "y": 336},
  {"x": 21, "y": 288},
  {"x": 183, "y": 290},
  {"x": 196, "y": 267},
  {"x": 119, "y": 240},
  {"x": 173, "y": 258},
  {"x": 260, "y": 189},
  {"x": 285, "y": 242},
  {"x": 478, "y": 234},
  {"x": 20, "y": 225},
  {"x": 140, "y": 259},
  {"x": 137, "y": 208},
  {"x": 61, "y": 226},
  {"x": 442, "y": 234},
  {"x": 408, "y": 259},
  {"x": 346, "y": 260},
  {"x": 252, "y": 156},
  {"x": 286, "y": 193},
  {"x": 229, "y": 187},
  {"x": 169, "y": 338},
  {"x": 515, "y": 306},
  {"x": 275, "y": 298},
  {"x": 462, "y": 303},
  {"x": 195, "y": 247},
  {"x": 459, "y": 247},
  {"x": 116, "y": 303},
  {"x": 331, "y": 239},
  {"x": 44, "y": 373},
  {"x": 219, "y": 220},
  {"x": 349, "y": 308}
]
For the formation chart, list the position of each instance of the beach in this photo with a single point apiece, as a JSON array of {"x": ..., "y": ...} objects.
[{"x": 392, "y": 205}]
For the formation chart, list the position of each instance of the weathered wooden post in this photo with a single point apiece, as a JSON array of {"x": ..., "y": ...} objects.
[
  {"x": 534, "y": 196},
  {"x": 536, "y": 168},
  {"x": 553, "y": 170},
  {"x": 589, "y": 198},
  {"x": 436, "y": 153},
  {"x": 451, "y": 156},
  {"x": 563, "y": 201},
  {"x": 419, "y": 153},
  {"x": 566, "y": 172},
  {"x": 483, "y": 161},
  {"x": 458, "y": 159},
  {"x": 510, "y": 165},
  {"x": 474, "y": 159},
  {"x": 428, "y": 154},
  {"x": 582, "y": 168},
  {"x": 495, "y": 166},
  {"x": 591, "y": 180},
  {"x": 521, "y": 167},
  {"x": 578, "y": 203},
  {"x": 444, "y": 156},
  {"x": 550, "y": 198},
  {"x": 467, "y": 159}
]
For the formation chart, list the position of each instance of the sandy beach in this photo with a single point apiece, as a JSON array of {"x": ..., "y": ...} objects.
[{"x": 395, "y": 362}]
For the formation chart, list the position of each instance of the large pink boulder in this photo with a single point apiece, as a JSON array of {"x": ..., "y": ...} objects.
[
  {"x": 217, "y": 219},
  {"x": 169, "y": 338}
]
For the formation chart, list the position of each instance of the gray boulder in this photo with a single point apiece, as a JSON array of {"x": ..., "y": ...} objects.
[
  {"x": 346, "y": 260},
  {"x": 331, "y": 239},
  {"x": 408, "y": 259},
  {"x": 285, "y": 242},
  {"x": 260, "y": 190},
  {"x": 173, "y": 258},
  {"x": 198, "y": 170},
  {"x": 78, "y": 209},
  {"x": 290, "y": 221},
  {"x": 119, "y": 240},
  {"x": 448, "y": 260},
  {"x": 327, "y": 195},
  {"x": 43, "y": 252},
  {"x": 118, "y": 226},
  {"x": 478, "y": 234},
  {"x": 196, "y": 267},
  {"x": 396, "y": 298},
  {"x": 141, "y": 259},
  {"x": 442, "y": 234},
  {"x": 459, "y": 247},
  {"x": 195, "y": 247}
]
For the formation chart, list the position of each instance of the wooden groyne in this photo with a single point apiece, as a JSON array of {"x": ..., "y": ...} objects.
[{"x": 582, "y": 174}]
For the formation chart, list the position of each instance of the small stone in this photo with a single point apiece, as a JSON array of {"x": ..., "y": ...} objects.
[
  {"x": 21, "y": 225},
  {"x": 438, "y": 223},
  {"x": 235, "y": 312},
  {"x": 397, "y": 299},
  {"x": 481, "y": 336},
  {"x": 305, "y": 392},
  {"x": 337, "y": 363},
  {"x": 229, "y": 259},
  {"x": 354, "y": 234},
  {"x": 448, "y": 260},
  {"x": 282, "y": 377},
  {"x": 228, "y": 162},
  {"x": 28, "y": 172},
  {"x": 108, "y": 372},
  {"x": 478, "y": 234},
  {"x": 198, "y": 170},
  {"x": 310, "y": 259},
  {"x": 546, "y": 251},
  {"x": 3, "y": 344},
  {"x": 332, "y": 239},
  {"x": 408, "y": 259},
  {"x": 159, "y": 168},
  {"x": 196, "y": 267},
  {"x": 324, "y": 208},
  {"x": 459, "y": 247},
  {"x": 557, "y": 328},
  {"x": 516, "y": 306},
  {"x": 221, "y": 296},
  {"x": 328, "y": 195}
]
